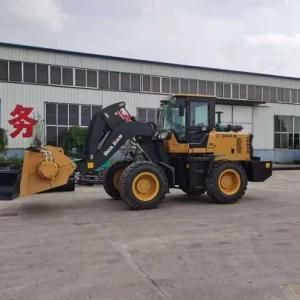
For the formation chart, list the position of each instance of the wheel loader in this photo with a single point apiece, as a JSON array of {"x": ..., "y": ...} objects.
[{"x": 186, "y": 150}]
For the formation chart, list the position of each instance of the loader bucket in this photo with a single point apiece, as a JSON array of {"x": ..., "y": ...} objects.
[
  {"x": 38, "y": 174},
  {"x": 9, "y": 183}
]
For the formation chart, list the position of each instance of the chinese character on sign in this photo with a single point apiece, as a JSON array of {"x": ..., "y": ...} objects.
[{"x": 22, "y": 122}]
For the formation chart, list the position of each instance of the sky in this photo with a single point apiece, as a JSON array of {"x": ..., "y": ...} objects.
[{"x": 249, "y": 35}]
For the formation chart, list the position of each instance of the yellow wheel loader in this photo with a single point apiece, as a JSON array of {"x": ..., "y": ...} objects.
[{"x": 186, "y": 150}]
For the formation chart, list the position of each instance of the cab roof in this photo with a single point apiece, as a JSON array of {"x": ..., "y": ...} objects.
[{"x": 188, "y": 97}]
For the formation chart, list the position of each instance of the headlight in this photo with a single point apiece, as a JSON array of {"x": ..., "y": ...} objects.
[{"x": 164, "y": 135}]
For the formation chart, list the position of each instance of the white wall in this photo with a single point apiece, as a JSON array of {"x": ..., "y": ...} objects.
[
  {"x": 35, "y": 96},
  {"x": 263, "y": 122}
]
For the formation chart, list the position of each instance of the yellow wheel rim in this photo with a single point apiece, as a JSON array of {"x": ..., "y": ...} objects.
[
  {"x": 229, "y": 182},
  {"x": 145, "y": 186},
  {"x": 116, "y": 178}
]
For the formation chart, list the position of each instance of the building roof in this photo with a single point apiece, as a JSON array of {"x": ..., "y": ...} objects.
[{"x": 142, "y": 61}]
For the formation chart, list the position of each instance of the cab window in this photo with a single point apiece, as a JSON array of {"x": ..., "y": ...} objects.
[
  {"x": 175, "y": 118},
  {"x": 198, "y": 114}
]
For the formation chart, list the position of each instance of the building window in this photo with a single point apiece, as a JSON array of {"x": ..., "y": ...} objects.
[
  {"x": 235, "y": 91},
  {"x": 4, "y": 70},
  {"x": 67, "y": 76},
  {"x": 227, "y": 90},
  {"x": 210, "y": 88},
  {"x": 285, "y": 131},
  {"x": 147, "y": 114},
  {"x": 73, "y": 114},
  {"x": 286, "y": 95},
  {"x": 42, "y": 75},
  {"x": 146, "y": 83},
  {"x": 29, "y": 72},
  {"x": 165, "y": 85},
  {"x": 136, "y": 82},
  {"x": 61, "y": 116},
  {"x": 85, "y": 115},
  {"x": 80, "y": 77},
  {"x": 174, "y": 85},
  {"x": 193, "y": 86},
  {"x": 243, "y": 91},
  {"x": 51, "y": 114},
  {"x": 294, "y": 96},
  {"x": 125, "y": 81},
  {"x": 280, "y": 94},
  {"x": 55, "y": 75},
  {"x": 91, "y": 77},
  {"x": 114, "y": 81},
  {"x": 273, "y": 94},
  {"x": 103, "y": 80},
  {"x": 266, "y": 93},
  {"x": 202, "y": 87},
  {"x": 184, "y": 86},
  {"x": 251, "y": 92},
  {"x": 155, "y": 84},
  {"x": 15, "y": 71},
  {"x": 258, "y": 93},
  {"x": 219, "y": 89},
  {"x": 51, "y": 135}
]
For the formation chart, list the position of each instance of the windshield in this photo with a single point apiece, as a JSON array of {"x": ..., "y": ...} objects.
[{"x": 173, "y": 117}]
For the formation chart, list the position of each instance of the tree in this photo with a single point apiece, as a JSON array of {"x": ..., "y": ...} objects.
[
  {"x": 74, "y": 139},
  {"x": 3, "y": 140}
]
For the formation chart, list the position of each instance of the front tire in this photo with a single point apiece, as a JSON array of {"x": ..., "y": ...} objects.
[
  {"x": 143, "y": 185},
  {"x": 111, "y": 178},
  {"x": 226, "y": 182}
]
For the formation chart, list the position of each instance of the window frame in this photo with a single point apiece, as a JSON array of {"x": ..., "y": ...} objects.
[
  {"x": 85, "y": 77},
  {"x": 35, "y": 72},
  {"x": 50, "y": 73}
]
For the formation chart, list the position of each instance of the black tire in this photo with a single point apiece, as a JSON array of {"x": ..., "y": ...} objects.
[
  {"x": 153, "y": 195},
  {"x": 235, "y": 191},
  {"x": 108, "y": 178}
]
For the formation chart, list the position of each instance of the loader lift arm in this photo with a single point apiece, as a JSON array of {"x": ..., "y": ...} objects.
[{"x": 108, "y": 131}]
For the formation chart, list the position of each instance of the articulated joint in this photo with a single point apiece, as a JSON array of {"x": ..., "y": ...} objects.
[{"x": 47, "y": 168}]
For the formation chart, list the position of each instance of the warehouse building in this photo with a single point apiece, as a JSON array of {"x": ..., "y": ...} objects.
[{"x": 62, "y": 89}]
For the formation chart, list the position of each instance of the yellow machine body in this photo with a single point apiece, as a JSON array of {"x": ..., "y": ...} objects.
[
  {"x": 234, "y": 146},
  {"x": 44, "y": 170}
]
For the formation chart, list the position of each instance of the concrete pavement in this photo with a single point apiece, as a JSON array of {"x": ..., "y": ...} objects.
[{"x": 83, "y": 245}]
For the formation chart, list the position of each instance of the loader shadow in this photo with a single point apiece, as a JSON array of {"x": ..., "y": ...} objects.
[
  {"x": 188, "y": 199},
  {"x": 36, "y": 207}
]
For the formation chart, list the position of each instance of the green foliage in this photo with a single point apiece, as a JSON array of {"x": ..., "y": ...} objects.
[
  {"x": 11, "y": 161},
  {"x": 74, "y": 139},
  {"x": 3, "y": 140}
]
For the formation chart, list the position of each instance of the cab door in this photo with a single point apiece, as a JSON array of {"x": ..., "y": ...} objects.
[{"x": 200, "y": 122}]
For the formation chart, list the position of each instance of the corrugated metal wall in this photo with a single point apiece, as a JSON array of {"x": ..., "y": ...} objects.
[
  {"x": 259, "y": 120},
  {"x": 80, "y": 61}
]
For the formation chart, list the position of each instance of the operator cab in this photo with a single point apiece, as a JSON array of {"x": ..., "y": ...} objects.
[{"x": 189, "y": 117}]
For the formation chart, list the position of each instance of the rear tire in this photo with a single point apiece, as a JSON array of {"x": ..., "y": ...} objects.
[
  {"x": 227, "y": 182},
  {"x": 143, "y": 185},
  {"x": 111, "y": 178}
]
